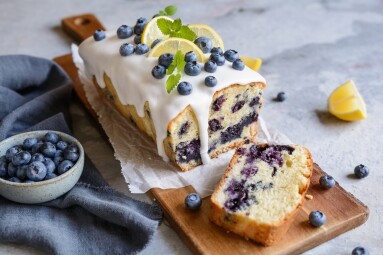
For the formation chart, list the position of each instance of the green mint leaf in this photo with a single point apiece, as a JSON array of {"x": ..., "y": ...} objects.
[
  {"x": 170, "y": 10},
  {"x": 165, "y": 26},
  {"x": 162, "y": 13},
  {"x": 171, "y": 69},
  {"x": 185, "y": 32},
  {"x": 180, "y": 61},
  {"x": 172, "y": 82},
  {"x": 177, "y": 25}
]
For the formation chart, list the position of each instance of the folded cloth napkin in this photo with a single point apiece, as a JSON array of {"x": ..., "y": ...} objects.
[{"x": 91, "y": 218}]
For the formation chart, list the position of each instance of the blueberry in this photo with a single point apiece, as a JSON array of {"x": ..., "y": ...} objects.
[
  {"x": 37, "y": 157},
  {"x": 184, "y": 88},
  {"x": 126, "y": 49},
  {"x": 61, "y": 145},
  {"x": 124, "y": 32},
  {"x": 3, "y": 168},
  {"x": 190, "y": 57},
  {"x": 50, "y": 165},
  {"x": 70, "y": 155},
  {"x": 36, "y": 147},
  {"x": 51, "y": 137},
  {"x": 281, "y": 96},
  {"x": 217, "y": 58},
  {"x": 166, "y": 59},
  {"x": 99, "y": 35},
  {"x": 64, "y": 166},
  {"x": 142, "y": 49},
  {"x": 192, "y": 68},
  {"x": 361, "y": 171},
  {"x": 36, "y": 171},
  {"x": 211, "y": 81},
  {"x": 50, "y": 176},
  {"x": 29, "y": 142},
  {"x": 210, "y": 66},
  {"x": 21, "y": 158},
  {"x": 238, "y": 65},
  {"x": 137, "y": 39},
  {"x": 14, "y": 179},
  {"x": 216, "y": 50},
  {"x": 140, "y": 25},
  {"x": 159, "y": 72},
  {"x": 326, "y": 182},
  {"x": 204, "y": 44},
  {"x": 12, "y": 169},
  {"x": 72, "y": 148},
  {"x": 317, "y": 218},
  {"x": 193, "y": 201},
  {"x": 231, "y": 55},
  {"x": 48, "y": 149},
  {"x": 12, "y": 152},
  {"x": 21, "y": 172},
  {"x": 3, "y": 159},
  {"x": 59, "y": 153},
  {"x": 57, "y": 160},
  {"x": 155, "y": 42},
  {"x": 360, "y": 251}
]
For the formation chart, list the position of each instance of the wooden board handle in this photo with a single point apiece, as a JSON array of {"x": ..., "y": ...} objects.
[{"x": 82, "y": 26}]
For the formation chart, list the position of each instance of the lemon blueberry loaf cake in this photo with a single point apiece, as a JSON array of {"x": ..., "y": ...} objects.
[
  {"x": 180, "y": 87},
  {"x": 261, "y": 191}
]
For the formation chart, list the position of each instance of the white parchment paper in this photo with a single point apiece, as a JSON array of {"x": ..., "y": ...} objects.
[{"x": 141, "y": 166}]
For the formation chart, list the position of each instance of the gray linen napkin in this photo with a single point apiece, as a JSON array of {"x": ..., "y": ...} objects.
[{"x": 91, "y": 218}]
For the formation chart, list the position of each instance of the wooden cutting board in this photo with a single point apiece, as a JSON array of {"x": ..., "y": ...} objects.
[{"x": 344, "y": 212}]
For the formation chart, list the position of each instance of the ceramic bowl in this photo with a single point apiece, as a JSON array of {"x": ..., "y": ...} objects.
[{"x": 43, "y": 191}]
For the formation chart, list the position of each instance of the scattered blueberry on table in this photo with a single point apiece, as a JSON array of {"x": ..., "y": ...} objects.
[
  {"x": 193, "y": 201},
  {"x": 317, "y": 218},
  {"x": 281, "y": 96},
  {"x": 360, "y": 251},
  {"x": 326, "y": 182},
  {"x": 37, "y": 160},
  {"x": 361, "y": 171}
]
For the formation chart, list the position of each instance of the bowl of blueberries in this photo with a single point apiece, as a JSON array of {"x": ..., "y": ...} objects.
[{"x": 39, "y": 166}]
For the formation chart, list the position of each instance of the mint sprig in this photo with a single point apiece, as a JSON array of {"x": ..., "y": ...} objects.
[
  {"x": 168, "y": 11},
  {"x": 174, "y": 71},
  {"x": 176, "y": 29}
]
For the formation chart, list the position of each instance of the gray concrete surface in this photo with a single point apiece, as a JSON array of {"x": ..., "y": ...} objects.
[{"x": 308, "y": 48}]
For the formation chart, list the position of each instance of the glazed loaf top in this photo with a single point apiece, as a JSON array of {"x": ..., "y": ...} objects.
[{"x": 134, "y": 84}]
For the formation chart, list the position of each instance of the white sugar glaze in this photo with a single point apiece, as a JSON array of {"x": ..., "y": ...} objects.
[{"x": 134, "y": 84}]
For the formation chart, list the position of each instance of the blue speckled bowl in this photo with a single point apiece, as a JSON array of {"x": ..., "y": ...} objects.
[{"x": 43, "y": 191}]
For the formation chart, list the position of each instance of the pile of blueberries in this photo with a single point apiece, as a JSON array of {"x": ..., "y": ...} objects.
[
  {"x": 37, "y": 160},
  {"x": 193, "y": 68},
  {"x": 124, "y": 32}
]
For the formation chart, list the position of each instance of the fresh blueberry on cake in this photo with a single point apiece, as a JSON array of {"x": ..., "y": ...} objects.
[
  {"x": 238, "y": 65},
  {"x": 211, "y": 81},
  {"x": 184, "y": 88},
  {"x": 124, "y": 32},
  {"x": 137, "y": 39},
  {"x": 99, "y": 35},
  {"x": 192, "y": 68},
  {"x": 218, "y": 58},
  {"x": 231, "y": 55},
  {"x": 126, "y": 49},
  {"x": 190, "y": 57},
  {"x": 210, "y": 66},
  {"x": 141, "y": 49},
  {"x": 261, "y": 191},
  {"x": 204, "y": 44},
  {"x": 159, "y": 72},
  {"x": 154, "y": 43},
  {"x": 216, "y": 50}
]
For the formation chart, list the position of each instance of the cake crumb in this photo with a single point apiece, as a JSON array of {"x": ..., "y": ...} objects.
[{"x": 309, "y": 197}]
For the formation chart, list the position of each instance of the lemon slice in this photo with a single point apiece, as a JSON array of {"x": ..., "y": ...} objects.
[
  {"x": 172, "y": 45},
  {"x": 346, "y": 103},
  {"x": 209, "y": 32},
  {"x": 253, "y": 63},
  {"x": 152, "y": 32}
]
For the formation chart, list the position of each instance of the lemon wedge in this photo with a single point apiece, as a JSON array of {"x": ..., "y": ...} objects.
[
  {"x": 209, "y": 32},
  {"x": 346, "y": 103},
  {"x": 152, "y": 32},
  {"x": 253, "y": 63},
  {"x": 172, "y": 45}
]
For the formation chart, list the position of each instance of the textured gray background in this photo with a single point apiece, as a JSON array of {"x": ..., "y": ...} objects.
[{"x": 308, "y": 48}]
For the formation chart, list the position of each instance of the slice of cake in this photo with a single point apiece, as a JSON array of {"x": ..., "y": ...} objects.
[
  {"x": 261, "y": 191},
  {"x": 192, "y": 124}
]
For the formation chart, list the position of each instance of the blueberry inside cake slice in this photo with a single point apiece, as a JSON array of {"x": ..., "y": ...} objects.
[{"x": 261, "y": 191}]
